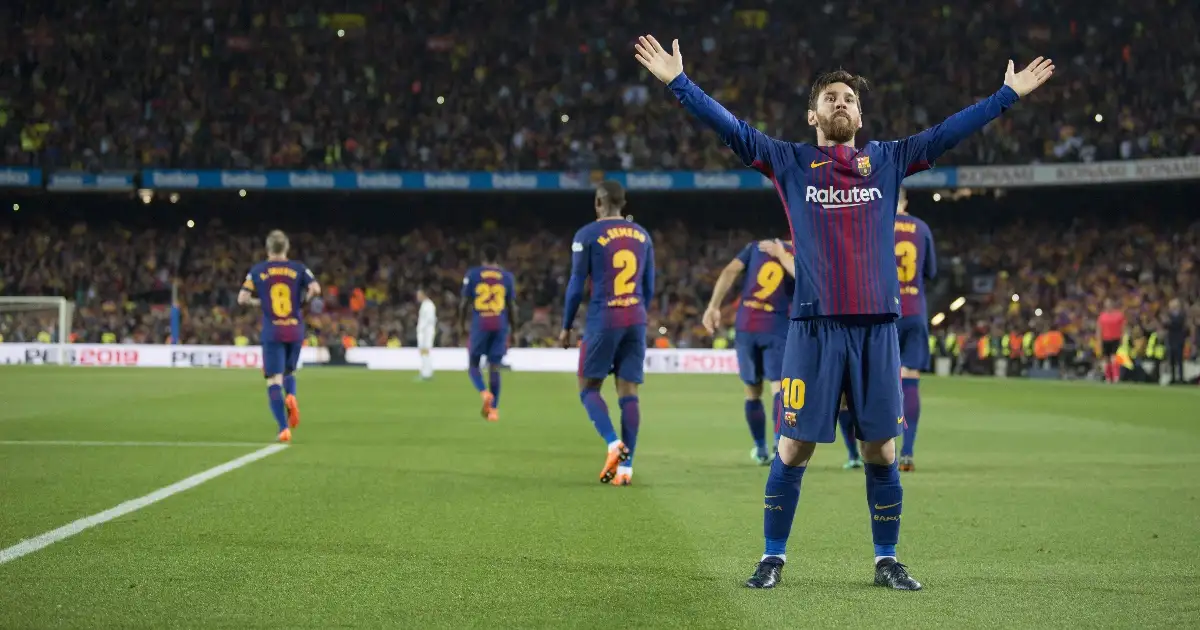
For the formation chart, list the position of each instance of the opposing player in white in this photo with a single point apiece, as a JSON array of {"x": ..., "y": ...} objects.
[{"x": 426, "y": 330}]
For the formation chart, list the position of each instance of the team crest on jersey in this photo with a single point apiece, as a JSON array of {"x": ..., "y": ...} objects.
[
  {"x": 790, "y": 418},
  {"x": 863, "y": 162}
]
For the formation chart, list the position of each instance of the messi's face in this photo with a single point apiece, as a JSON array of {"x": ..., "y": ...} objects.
[{"x": 837, "y": 115}]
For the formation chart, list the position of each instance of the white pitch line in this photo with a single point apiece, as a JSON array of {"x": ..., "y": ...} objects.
[
  {"x": 101, "y": 443},
  {"x": 30, "y": 545}
]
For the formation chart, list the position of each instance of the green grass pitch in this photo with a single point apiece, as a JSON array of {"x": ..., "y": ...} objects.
[{"x": 1034, "y": 504}]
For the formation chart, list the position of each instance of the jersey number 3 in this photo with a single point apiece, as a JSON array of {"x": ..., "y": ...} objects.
[
  {"x": 906, "y": 261},
  {"x": 627, "y": 262},
  {"x": 281, "y": 300},
  {"x": 489, "y": 298}
]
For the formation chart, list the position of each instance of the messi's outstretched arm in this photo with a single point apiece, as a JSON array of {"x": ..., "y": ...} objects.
[
  {"x": 755, "y": 148},
  {"x": 920, "y": 151}
]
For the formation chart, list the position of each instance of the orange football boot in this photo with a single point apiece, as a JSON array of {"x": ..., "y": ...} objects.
[
  {"x": 493, "y": 415},
  {"x": 623, "y": 479},
  {"x": 293, "y": 410},
  {"x": 488, "y": 399},
  {"x": 285, "y": 435},
  {"x": 616, "y": 456}
]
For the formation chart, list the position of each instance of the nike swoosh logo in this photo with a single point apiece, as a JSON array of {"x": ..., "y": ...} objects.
[
  {"x": 816, "y": 164},
  {"x": 774, "y": 496},
  {"x": 884, "y": 507}
]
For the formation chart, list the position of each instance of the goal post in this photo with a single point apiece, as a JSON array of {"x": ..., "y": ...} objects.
[{"x": 38, "y": 319}]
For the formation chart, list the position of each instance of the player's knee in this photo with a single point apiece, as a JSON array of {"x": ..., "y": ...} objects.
[
  {"x": 275, "y": 379},
  {"x": 795, "y": 452},
  {"x": 909, "y": 373},
  {"x": 879, "y": 452},
  {"x": 754, "y": 392},
  {"x": 776, "y": 387},
  {"x": 626, "y": 388},
  {"x": 590, "y": 383}
]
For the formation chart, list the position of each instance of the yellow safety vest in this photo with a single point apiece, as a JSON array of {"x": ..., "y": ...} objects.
[
  {"x": 393, "y": 342},
  {"x": 44, "y": 337},
  {"x": 720, "y": 343},
  {"x": 108, "y": 338},
  {"x": 241, "y": 340},
  {"x": 1027, "y": 344}
]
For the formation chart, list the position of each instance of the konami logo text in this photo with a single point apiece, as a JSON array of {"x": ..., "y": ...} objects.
[{"x": 833, "y": 198}]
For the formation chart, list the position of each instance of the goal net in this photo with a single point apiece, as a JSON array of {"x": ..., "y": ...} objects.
[{"x": 37, "y": 320}]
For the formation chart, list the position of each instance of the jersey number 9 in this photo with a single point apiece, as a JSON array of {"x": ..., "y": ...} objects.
[
  {"x": 490, "y": 298},
  {"x": 627, "y": 262},
  {"x": 906, "y": 261},
  {"x": 770, "y": 274},
  {"x": 281, "y": 300}
]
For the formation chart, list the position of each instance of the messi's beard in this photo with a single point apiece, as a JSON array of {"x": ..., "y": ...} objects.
[{"x": 837, "y": 128}]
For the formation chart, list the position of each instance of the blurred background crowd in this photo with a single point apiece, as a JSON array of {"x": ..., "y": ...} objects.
[
  {"x": 1029, "y": 272},
  {"x": 551, "y": 84}
]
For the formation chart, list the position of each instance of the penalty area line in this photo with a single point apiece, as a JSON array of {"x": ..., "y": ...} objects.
[
  {"x": 103, "y": 443},
  {"x": 42, "y": 541}
]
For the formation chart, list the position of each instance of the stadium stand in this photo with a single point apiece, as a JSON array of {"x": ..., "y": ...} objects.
[{"x": 546, "y": 84}]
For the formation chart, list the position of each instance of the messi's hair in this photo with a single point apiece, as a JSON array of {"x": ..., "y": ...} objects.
[
  {"x": 612, "y": 195},
  {"x": 277, "y": 243},
  {"x": 856, "y": 83},
  {"x": 490, "y": 253}
]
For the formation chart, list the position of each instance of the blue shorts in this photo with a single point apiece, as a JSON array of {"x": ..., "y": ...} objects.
[
  {"x": 828, "y": 357},
  {"x": 759, "y": 356},
  {"x": 619, "y": 351},
  {"x": 490, "y": 344},
  {"x": 280, "y": 357},
  {"x": 914, "y": 342}
]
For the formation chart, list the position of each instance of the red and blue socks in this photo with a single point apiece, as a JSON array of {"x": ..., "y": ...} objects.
[
  {"x": 780, "y": 498},
  {"x": 778, "y": 414},
  {"x": 912, "y": 413},
  {"x": 597, "y": 411},
  {"x": 847, "y": 427},
  {"x": 476, "y": 378},
  {"x": 884, "y": 498},
  {"x": 631, "y": 421},
  {"x": 494, "y": 387},
  {"x": 275, "y": 396},
  {"x": 756, "y": 419}
]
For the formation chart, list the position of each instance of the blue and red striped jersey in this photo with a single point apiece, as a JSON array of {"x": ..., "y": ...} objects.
[
  {"x": 766, "y": 292},
  {"x": 618, "y": 256},
  {"x": 841, "y": 201},
  {"x": 281, "y": 286},
  {"x": 488, "y": 290},
  {"x": 915, "y": 262}
]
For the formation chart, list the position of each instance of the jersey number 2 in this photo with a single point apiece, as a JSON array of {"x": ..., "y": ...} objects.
[
  {"x": 281, "y": 300},
  {"x": 627, "y": 262},
  {"x": 906, "y": 261},
  {"x": 489, "y": 298}
]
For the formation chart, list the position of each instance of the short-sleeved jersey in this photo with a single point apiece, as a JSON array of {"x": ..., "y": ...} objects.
[
  {"x": 488, "y": 290},
  {"x": 281, "y": 286},
  {"x": 841, "y": 201},
  {"x": 618, "y": 256},
  {"x": 766, "y": 292},
  {"x": 916, "y": 262}
]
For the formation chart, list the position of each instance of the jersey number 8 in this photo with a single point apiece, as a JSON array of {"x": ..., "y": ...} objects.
[{"x": 281, "y": 300}]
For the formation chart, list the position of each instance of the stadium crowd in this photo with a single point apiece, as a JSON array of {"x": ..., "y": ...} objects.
[
  {"x": 551, "y": 84},
  {"x": 120, "y": 280}
]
